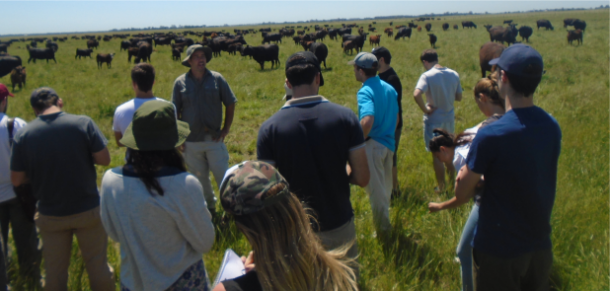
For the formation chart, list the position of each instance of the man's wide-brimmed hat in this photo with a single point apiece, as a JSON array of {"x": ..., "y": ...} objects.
[
  {"x": 155, "y": 128},
  {"x": 197, "y": 47}
]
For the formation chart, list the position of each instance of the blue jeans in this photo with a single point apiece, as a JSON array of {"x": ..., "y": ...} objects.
[{"x": 464, "y": 249}]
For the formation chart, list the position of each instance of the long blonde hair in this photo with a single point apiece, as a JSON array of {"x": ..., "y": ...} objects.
[{"x": 289, "y": 255}]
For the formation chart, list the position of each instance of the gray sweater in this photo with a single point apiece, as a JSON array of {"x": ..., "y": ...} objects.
[{"x": 160, "y": 236}]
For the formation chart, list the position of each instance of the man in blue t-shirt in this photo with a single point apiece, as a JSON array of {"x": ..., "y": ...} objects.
[
  {"x": 378, "y": 112},
  {"x": 518, "y": 155}
]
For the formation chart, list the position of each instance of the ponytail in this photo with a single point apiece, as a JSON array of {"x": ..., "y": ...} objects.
[
  {"x": 489, "y": 87},
  {"x": 446, "y": 139}
]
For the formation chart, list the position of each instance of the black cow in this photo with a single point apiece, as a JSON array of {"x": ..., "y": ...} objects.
[
  {"x": 488, "y": 52},
  {"x": 513, "y": 29},
  {"x": 320, "y": 50},
  {"x": 468, "y": 24},
  {"x": 428, "y": 27},
  {"x": 8, "y": 63},
  {"x": 357, "y": 40},
  {"x": 502, "y": 34},
  {"x": 544, "y": 23},
  {"x": 403, "y": 32},
  {"x": 125, "y": 45},
  {"x": 332, "y": 33},
  {"x": 162, "y": 41},
  {"x": 432, "y": 40},
  {"x": 92, "y": 43},
  {"x": 568, "y": 21},
  {"x": 525, "y": 32},
  {"x": 580, "y": 24},
  {"x": 455, "y": 26},
  {"x": 144, "y": 52},
  {"x": 268, "y": 38},
  {"x": 263, "y": 53},
  {"x": 3, "y": 48},
  {"x": 346, "y": 30},
  {"x": 445, "y": 26},
  {"x": 104, "y": 58},
  {"x": 412, "y": 25},
  {"x": 42, "y": 54},
  {"x": 83, "y": 53},
  {"x": 52, "y": 45},
  {"x": 132, "y": 52}
]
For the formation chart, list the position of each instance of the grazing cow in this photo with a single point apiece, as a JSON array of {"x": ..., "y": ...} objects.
[
  {"x": 568, "y": 21},
  {"x": 419, "y": 28},
  {"x": 268, "y": 38},
  {"x": 132, "y": 52},
  {"x": 525, "y": 32},
  {"x": 348, "y": 45},
  {"x": 233, "y": 48},
  {"x": 125, "y": 45},
  {"x": 52, "y": 45},
  {"x": 488, "y": 52},
  {"x": 34, "y": 43},
  {"x": 320, "y": 50},
  {"x": 428, "y": 27},
  {"x": 432, "y": 40},
  {"x": 374, "y": 40},
  {"x": 8, "y": 63},
  {"x": 104, "y": 58},
  {"x": 445, "y": 26},
  {"x": 297, "y": 40},
  {"x": 346, "y": 30},
  {"x": 357, "y": 40},
  {"x": 575, "y": 35},
  {"x": 403, "y": 32},
  {"x": 263, "y": 53},
  {"x": 502, "y": 34},
  {"x": 544, "y": 23},
  {"x": 513, "y": 29},
  {"x": 389, "y": 31},
  {"x": 455, "y": 26},
  {"x": 372, "y": 29},
  {"x": 412, "y": 25},
  {"x": 580, "y": 24},
  {"x": 92, "y": 43},
  {"x": 42, "y": 54},
  {"x": 144, "y": 52},
  {"x": 488, "y": 26},
  {"x": 176, "y": 54},
  {"x": 306, "y": 44},
  {"x": 332, "y": 33},
  {"x": 18, "y": 77},
  {"x": 468, "y": 24},
  {"x": 320, "y": 35},
  {"x": 508, "y": 21},
  {"x": 3, "y": 48},
  {"x": 83, "y": 53}
]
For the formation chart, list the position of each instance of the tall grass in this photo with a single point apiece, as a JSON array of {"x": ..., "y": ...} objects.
[{"x": 575, "y": 91}]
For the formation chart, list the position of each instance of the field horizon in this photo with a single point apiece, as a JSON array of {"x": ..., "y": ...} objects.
[{"x": 574, "y": 90}]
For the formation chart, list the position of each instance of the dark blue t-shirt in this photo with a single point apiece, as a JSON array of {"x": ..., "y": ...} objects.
[
  {"x": 309, "y": 141},
  {"x": 518, "y": 156}
]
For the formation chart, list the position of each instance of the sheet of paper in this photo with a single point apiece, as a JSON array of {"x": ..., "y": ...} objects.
[{"x": 232, "y": 267}]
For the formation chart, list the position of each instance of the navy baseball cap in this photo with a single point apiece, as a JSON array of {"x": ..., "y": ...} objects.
[
  {"x": 306, "y": 57},
  {"x": 518, "y": 58}
]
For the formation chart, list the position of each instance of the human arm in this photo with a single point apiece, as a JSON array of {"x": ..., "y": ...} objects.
[
  {"x": 229, "y": 113},
  {"x": 97, "y": 144},
  {"x": 425, "y": 108},
  {"x": 465, "y": 185},
  {"x": 367, "y": 124},
  {"x": 102, "y": 157},
  {"x": 458, "y": 96},
  {"x": 118, "y": 136},
  {"x": 358, "y": 167},
  {"x": 264, "y": 145},
  {"x": 177, "y": 98},
  {"x": 18, "y": 178}
]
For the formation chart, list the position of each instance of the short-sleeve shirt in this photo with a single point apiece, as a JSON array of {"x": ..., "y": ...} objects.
[
  {"x": 123, "y": 115},
  {"x": 379, "y": 99},
  {"x": 518, "y": 156},
  {"x": 391, "y": 78},
  {"x": 6, "y": 187},
  {"x": 440, "y": 86},
  {"x": 199, "y": 103},
  {"x": 56, "y": 153},
  {"x": 309, "y": 141}
]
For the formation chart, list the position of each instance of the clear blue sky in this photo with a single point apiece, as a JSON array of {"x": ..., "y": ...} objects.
[{"x": 30, "y": 17}]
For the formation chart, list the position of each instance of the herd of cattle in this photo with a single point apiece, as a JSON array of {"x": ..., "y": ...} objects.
[{"x": 141, "y": 46}]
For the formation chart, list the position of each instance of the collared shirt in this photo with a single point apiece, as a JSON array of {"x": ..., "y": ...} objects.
[
  {"x": 309, "y": 141},
  {"x": 199, "y": 103},
  {"x": 379, "y": 99}
]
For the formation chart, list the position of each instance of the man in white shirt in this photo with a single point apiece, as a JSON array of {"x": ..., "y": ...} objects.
[
  {"x": 442, "y": 87},
  {"x": 142, "y": 80},
  {"x": 11, "y": 211}
]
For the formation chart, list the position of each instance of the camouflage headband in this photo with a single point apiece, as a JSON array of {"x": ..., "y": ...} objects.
[{"x": 245, "y": 189}]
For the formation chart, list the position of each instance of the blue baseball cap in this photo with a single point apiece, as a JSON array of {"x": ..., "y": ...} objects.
[{"x": 517, "y": 58}]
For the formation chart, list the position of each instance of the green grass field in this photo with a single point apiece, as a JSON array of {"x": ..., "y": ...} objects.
[{"x": 575, "y": 90}]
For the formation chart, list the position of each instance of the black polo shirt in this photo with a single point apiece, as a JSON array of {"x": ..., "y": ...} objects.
[
  {"x": 309, "y": 141},
  {"x": 391, "y": 78}
]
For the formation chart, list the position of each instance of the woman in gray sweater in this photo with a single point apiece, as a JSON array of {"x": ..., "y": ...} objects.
[{"x": 155, "y": 209}]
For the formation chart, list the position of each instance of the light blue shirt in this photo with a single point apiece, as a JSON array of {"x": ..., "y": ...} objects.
[{"x": 379, "y": 99}]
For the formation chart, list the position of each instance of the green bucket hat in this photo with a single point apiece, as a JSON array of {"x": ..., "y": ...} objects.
[
  {"x": 244, "y": 189},
  {"x": 155, "y": 128},
  {"x": 197, "y": 47}
]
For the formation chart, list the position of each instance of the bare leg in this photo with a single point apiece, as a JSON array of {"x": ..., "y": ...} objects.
[{"x": 439, "y": 171}]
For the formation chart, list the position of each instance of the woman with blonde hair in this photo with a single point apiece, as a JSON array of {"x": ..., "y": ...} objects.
[{"x": 287, "y": 253}]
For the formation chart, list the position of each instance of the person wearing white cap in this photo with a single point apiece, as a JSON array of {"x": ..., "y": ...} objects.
[{"x": 378, "y": 112}]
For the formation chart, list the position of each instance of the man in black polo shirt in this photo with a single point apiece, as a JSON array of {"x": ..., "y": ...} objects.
[
  {"x": 387, "y": 74},
  {"x": 310, "y": 141}
]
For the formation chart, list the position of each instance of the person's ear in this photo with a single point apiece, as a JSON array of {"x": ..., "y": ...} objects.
[
  {"x": 483, "y": 98},
  {"x": 60, "y": 103},
  {"x": 503, "y": 76},
  {"x": 317, "y": 79},
  {"x": 288, "y": 84}
]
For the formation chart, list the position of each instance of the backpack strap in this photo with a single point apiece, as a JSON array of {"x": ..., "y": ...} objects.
[{"x": 10, "y": 124}]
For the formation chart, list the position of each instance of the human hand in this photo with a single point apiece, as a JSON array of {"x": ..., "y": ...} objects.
[
  {"x": 224, "y": 132},
  {"x": 182, "y": 148},
  {"x": 434, "y": 207},
  {"x": 430, "y": 108},
  {"x": 248, "y": 262}
]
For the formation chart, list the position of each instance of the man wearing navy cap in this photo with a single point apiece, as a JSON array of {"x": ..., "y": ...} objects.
[{"x": 518, "y": 156}]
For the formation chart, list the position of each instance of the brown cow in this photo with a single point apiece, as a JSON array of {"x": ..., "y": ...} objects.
[
  {"x": 419, "y": 28},
  {"x": 455, "y": 26},
  {"x": 92, "y": 43},
  {"x": 18, "y": 77},
  {"x": 348, "y": 45},
  {"x": 389, "y": 31},
  {"x": 374, "y": 39},
  {"x": 575, "y": 35},
  {"x": 104, "y": 58},
  {"x": 488, "y": 52}
]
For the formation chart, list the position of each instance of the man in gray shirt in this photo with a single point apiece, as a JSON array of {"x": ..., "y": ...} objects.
[{"x": 199, "y": 96}]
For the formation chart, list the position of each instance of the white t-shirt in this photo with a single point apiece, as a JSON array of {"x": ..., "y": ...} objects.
[
  {"x": 461, "y": 152},
  {"x": 440, "y": 86},
  {"x": 124, "y": 113},
  {"x": 6, "y": 187}
]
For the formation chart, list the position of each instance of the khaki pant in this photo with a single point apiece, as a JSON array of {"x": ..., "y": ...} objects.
[
  {"x": 338, "y": 237},
  {"x": 203, "y": 157},
  {"x": 57, "y": 232},
  {"x": 380, "y": 184}
]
